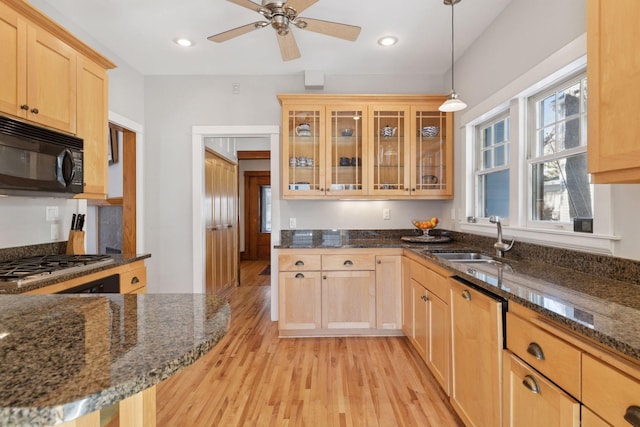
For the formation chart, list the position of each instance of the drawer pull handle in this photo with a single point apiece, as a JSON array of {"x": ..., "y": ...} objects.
[
  {"x": 348, "y": 262},
  {"x": 466, "y": 295},
  {"x": 632, "y": 416},
  {"x": 299, "y": 276},
  {"x": 531, "y": 383},
  {"x": 135, "y": 280},
  {"x": 424, "y": 298},
  {"x": 535, "y": 350},
  {"x": 299, "y": 263}
]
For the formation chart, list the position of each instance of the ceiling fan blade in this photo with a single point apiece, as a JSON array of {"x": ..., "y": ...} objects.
[
  {"x": 248, "y": 4},
  {"x": 288, "y": 46},
  {"x": 300, "y": 5},
  {"x": 333, "y": 29},
  {"x": 235, "y": 32}
]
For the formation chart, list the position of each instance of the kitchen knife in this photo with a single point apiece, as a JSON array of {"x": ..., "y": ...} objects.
[
  {"x": 73, "y": 222},
  {"x": 80, "y": 223}
]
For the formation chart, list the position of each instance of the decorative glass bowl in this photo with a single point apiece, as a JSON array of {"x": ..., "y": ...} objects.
[{"x": 425, "y": 224}]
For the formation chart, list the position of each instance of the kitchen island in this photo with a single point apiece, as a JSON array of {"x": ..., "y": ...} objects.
[{"x": 69, "y": 356}]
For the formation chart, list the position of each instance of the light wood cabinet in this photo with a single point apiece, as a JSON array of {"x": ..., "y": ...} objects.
[
  {"x": 613, "y": 152},
  {"x": 407, "y": 298},
  {"x": 366, "y": 146},
  {"x": 93, "y": 126},
  {"x": 476, "y": 356},
  {"x": 337, "y": 292},
  {"x": 39, "y": 73},
  {"x": 51, "y": 78},
  {"x": 388, "y": 292},
  {"x": 532, "y": 400}
]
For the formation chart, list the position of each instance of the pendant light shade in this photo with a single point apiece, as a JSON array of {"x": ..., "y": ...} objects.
[{"x": 453, "y": 102}]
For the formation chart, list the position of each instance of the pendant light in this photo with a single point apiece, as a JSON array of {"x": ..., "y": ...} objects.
[{"x": 453, "y": 103}]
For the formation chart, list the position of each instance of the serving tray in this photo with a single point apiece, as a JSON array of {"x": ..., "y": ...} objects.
[{"x": 426, "y": 239}]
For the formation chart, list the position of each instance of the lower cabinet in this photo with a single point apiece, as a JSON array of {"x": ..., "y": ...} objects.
[
  {"x": 532, "y": 400},
  {"x": 133, "y": 278},
  {"x": 476, "y": 355},
  {"x": 333, "y": 292}
]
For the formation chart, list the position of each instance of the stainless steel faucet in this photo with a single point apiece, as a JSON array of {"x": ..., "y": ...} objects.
[{"x": 501, "y": 247}]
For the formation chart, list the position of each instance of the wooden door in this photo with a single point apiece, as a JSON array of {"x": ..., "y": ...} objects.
[
  {"x": 13, "y": 67},
  {"x": 300, "y": 299},
  {"x": 531, "y": 400},
  {"x": 51, "y": 95},
  {"x": 438, "y": 345},
  {"x": 421, "y": 316},
  {"x": 388, "y": 292},
  {"x": 257, "y": 233},
  {"x": 476, "y": 345},
  {"x": 407, "y": 298},
  {"x": 348, "y": 300}
]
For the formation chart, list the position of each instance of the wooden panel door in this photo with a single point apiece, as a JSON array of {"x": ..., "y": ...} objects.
[
  {"x": 13, "y": 62},
  {"x": 407, "y": 298},
  {"x": 438, "y": 346},
  {"x": 532, "y": 400},
  {"x": 93, "y": 127},
  {"x": 257, "y": 240},
  {"x": 476, "y": 345},
  {"x": 51, "y": 81},
  {"x": 348, "y": 300},
  {"x": 299, "y": 300},
  {"x": 421, "y": 316},
  {"x": 388, "y": 292}
]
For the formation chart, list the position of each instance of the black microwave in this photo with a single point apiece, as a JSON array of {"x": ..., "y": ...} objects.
[{"x": 35, "y": 161}]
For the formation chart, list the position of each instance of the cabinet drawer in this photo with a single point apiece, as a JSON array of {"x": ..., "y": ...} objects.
[
  {"x": 531, "y": 399},
  {"x": 550, "y": 355},
  {"x": 431, "y": 280},
  {"x": 306, "y": 262},
  {"x": 132, "y": 280},
  {"x": 608, "y": 392},
  {"x": 349, "y": 262}
]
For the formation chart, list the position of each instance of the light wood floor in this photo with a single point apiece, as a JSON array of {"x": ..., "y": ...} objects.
[{"x": 253, "y": 378}]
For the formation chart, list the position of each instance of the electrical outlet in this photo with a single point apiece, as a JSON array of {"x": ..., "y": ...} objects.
[
  {"x": 386, "y": 213},
  {"x": 52, "y": 213},
  {"x": 235, "y": 88},
  {"x": 292, "y": 223}
]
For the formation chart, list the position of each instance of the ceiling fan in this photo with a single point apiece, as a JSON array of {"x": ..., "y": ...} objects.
[{"x": 281, "y": 15}]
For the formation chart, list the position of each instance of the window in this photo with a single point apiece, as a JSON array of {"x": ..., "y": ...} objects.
[
  {"x": 560, "y": 188},
  {"x": 265, "y": 209},
  {"x": 492, "y": 168}
]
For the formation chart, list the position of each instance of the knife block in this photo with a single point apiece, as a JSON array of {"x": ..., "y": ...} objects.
[{"x": 75, "y": 244}]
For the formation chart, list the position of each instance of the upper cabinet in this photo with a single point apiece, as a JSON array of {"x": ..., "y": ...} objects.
[
  {"x": 612, "y": 74},
  {"x": 51, "y": 78},
  {"x": 366, "y": 146}
]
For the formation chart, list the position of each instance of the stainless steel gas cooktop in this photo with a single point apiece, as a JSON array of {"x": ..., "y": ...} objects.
[{"x": 25, "y": 270}]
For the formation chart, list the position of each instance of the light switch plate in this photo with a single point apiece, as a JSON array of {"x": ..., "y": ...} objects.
[
  {"x": 52, "y": 213},
  {"x": 386, "y": 213},
  {"x": 292, "y": 223}
]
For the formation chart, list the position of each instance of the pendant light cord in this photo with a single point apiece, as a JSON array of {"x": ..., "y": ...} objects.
[{"x": 452, "y": 44}]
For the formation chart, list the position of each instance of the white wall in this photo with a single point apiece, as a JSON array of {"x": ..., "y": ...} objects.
[{"x": 525, "y": 35}]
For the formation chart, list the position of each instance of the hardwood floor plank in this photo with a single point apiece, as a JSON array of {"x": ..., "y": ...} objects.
[{"x": 254, "y": 378}]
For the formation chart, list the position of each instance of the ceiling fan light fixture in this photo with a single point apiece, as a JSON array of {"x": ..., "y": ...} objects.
[
  {"x": 387, "y": 41},
  {"x": 453, "y": 102}
]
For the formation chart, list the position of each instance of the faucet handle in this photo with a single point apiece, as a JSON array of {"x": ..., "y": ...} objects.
[{"x": 494, "y": 219}]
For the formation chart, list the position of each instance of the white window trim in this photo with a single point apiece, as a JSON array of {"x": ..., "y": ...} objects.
[{"x": 514, "y": 97}]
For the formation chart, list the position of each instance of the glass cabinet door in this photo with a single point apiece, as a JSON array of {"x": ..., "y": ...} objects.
[
  {"x": 303, "y": 156},
  {"x": 389, "y": 155},
  {"x": 431, "y": 157},
  {"x": 346, "y": 153}
]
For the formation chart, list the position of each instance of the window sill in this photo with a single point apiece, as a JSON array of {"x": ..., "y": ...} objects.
[{"x": 586, "y": 242}]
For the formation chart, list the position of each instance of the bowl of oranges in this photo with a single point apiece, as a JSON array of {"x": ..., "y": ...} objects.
[{"x": 425, "y": 224}]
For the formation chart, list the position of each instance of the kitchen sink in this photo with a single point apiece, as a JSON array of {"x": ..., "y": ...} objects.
[{"x": 467, "y": 257}]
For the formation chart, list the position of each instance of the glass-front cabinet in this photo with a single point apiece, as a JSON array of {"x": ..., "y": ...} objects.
[
  {"x": 303, "y": 152},
  {"x": 366, "y": 146},
  {"x": 346, "y": 145}
]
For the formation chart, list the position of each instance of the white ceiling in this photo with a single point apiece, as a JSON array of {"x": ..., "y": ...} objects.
[{"x": 141, "y": 32}]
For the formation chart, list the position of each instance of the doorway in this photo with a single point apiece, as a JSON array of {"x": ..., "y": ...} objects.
[{"x": 257, "y": 215}]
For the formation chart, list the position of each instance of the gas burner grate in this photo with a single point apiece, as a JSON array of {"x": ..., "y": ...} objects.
[{"x": 39, "y": 266}]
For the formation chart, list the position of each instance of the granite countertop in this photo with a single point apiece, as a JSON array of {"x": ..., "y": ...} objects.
[
  {"x": 64, "y": 356},
  {"x": 596, "y": 296},
  {"x": 118, "y": 260}
]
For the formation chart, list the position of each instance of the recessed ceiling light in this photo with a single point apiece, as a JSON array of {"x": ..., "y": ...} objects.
[
  {"x": 184, "y": 42},
  {"x": 387, "y": 40}
]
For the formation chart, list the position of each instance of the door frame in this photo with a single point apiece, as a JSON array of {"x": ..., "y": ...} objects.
[{"x": 199, "y": 133}]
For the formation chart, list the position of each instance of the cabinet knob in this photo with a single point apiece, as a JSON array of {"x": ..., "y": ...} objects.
[
  {"x": 424, "y": 298},
  {"x": 379, "y": 262},
  {"x": 530, "y": 383},
  {"x": 406, "y": 189},
  {"x": 324, "y": 277},
  {"x": 348, "y": 263},
  {"x": 535, "y": 350},
  {"x": 135, "y": 280},
  {"x": 299, "y": 263},
  {"x": 632, "y": 416},
  {"x": 413, "y": 189},
  {"x": 299, "y": 276},
  {"x": 466, "y": 295},
  {"x": 24, "y": 107},
  {"x": 35, "y": 110},
  {"x": 322, "y": 189}
]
